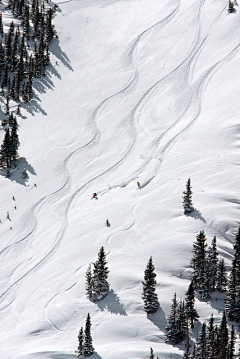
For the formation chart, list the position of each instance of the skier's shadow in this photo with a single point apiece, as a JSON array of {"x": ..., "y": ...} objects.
[{"x": 112, "y": 303}]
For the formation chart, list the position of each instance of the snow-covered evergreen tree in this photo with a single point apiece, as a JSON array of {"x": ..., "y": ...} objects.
[
  {"x": 88, "y": 348},
  {"x": 149, "y": 295},
  {"x": 187, "y": 198}
]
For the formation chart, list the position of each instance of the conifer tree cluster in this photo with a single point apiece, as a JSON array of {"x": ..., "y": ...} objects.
[
  {"x": 182, "y": 315},
  {"x": 24, "y": 52},
  {"x": 213, "y": 342},
  {"x": 97, "y": 286},
  {"x": 85, "y": 346},
  {"x": 209, "y": 274},
  {"x": 149, "y": 295},
  {"x": 10, "y": 144}
]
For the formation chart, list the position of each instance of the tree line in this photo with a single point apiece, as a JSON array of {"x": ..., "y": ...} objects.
[{"x": 24, "y": 55}]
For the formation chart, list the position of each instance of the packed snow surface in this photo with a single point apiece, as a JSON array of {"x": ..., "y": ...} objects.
[{"x": 138, "y": 90}]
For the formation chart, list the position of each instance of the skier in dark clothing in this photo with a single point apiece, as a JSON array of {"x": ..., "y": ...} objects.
[
  {"x": 94, "y": 196},
  {"x": 107, "y": 223}
]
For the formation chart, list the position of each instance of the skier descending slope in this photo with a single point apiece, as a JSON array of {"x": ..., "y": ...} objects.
[{"x": 94, "y": 196}]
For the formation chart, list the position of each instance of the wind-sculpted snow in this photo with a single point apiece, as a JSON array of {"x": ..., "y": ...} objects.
[{"x": 149, "y": 95}]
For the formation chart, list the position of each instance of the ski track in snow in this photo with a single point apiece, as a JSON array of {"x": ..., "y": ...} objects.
[
  {"x": 30, "y": 218},
  {"x": 159, "y": 146}
]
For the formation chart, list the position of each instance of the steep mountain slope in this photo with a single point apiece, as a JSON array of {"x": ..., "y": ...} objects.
[{"x": 142, "y": 91}]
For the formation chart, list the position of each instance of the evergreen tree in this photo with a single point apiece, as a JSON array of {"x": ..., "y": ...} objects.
[
  {"x": 5, "y": 151},
  {"x": 231, "y": 294},
  {"x": 181, "y": 322},
  {"x": 49, "y": 27},
  {"x": 80, "y": 343},
  {"x": 223, "y": 338},
  {"x": 89, "y": 282},
  {"x": 194, "y": 351},
  {"x": 231, "y": 345},
  {"x": 100, "y": 287},
  {"x": 149, "y": 295},
  {"x": 202, "y": 344},
  {"x": 222, "y": 280},
  {"x": 14, "y": 142},
  {"x": 88, "y": 348},
  {"x": 210, "y": 339},
  {"x": 1, "y": 25},
  {"x": 187, "y": 198},
  {"x": 190, "y": 300},
  {"x": 152, "y": 356},
  {"x": 187, "y": 354},
  {"x": 171, "y": 327},
  {"x": 2, "y": 61},
  {"x": 212, "y": 265},
  {"x": 26, "y": 24},
  {"x": 198, "y": 263}
]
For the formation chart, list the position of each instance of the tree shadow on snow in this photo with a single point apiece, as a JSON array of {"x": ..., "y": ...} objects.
[
  {"x": 57, "y": 355},
  {"x": 196, "y": 215},
  {"x": 112, "y": 303},
  {"x": 217, "y": 300},
  {"x": 16, "y": 173},
  {"x": 158, "y": 319},
  {"x": 41, "y": 85}
]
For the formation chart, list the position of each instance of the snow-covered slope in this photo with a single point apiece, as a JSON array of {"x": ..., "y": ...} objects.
[{"x": 142, "y": 91}]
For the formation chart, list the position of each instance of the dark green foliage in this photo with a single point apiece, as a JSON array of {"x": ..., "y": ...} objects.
[
  {"x": 152, "y": 356},
  {"x": 187, "y": 198},
  {"x": 222, "y": 281},
  {"x": 210, "y": 339},
  {"x": 199, "y": 265},
  {"x": 212, "y": 266},
  {"x": 201, "y": 352},
  {"x": 149, "y": 295},
  {"x": 231, "y": 345},
  {"x": 5, "y": 151},
  {"x": 1, "y": 25},
  {"x": 89, "y": 282},
  {"x": 190, "y": 300},
  {"x": 49, "y": 27},
  {"x": 88, "y": 348},
  {"x": 187, "y": 354},
  {"x": 176, "y": 329},
  {"x": 223, "y": 338},
  {"x": 97, "y": 286},
  {"x": 233, "y": 294},
  {"x": 80, "y": 342}
]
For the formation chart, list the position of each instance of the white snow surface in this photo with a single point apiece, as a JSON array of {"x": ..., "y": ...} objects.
[{"x": 143, "y": 90}]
